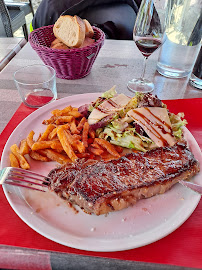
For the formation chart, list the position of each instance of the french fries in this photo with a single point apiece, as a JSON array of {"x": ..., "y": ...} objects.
[
  {"x": 108, "y": 146},
  {"x": 91, "y": 133},
  {"x": 14, "y": 161},
  {"x": 81, "y": 123},
  {"x": 47, "y": 144},
  {"x": 48, "y": 130},
  {"x": 52, "y": 155},
  {"x": 64, "y": 111},
  {"x": 24, "y": 147},
  {"x": 62, "y": 135},
  {"x": 41, "y": 145},
  {"x": 85, "y": 134},
  {"x": 73, "y": 128},
  {"x": 75, "y": 113},
  {"x": 79, "y": 146},
  {"x": 66, "y": 138},
  {"x": 30, "y": 140},
  {"x": 96, "y": 151},
  {"x": 22, "y": 161},
  {"x": 37, "y": 156},
  {"x": 63, "y": 119},
  {"x": 52, "y": 134}
]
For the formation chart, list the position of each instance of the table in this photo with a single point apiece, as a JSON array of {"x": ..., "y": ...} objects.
[
  {"x": 118, "y": 62},
  {"x": 9, "y": 47}
]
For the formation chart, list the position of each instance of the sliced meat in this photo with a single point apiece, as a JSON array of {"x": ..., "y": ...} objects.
[
  {"x": 149, "y": 100},
  {"x": 101, "y": 187}
]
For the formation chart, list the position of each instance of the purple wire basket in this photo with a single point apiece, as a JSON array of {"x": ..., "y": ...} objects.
[{"x": 68, "y": 64}]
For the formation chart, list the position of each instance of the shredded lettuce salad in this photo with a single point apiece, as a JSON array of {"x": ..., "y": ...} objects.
[{"x": 124, "y": 132}]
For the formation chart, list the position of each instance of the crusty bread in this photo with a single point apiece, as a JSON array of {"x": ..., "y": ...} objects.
[
  {"x": 89, "y": 29},
  {"x": 60, "y": 46},
  {"x": 57, "y": 44},
  {"x": 87, "y": 42},
  {"x": 55, "y": 41},
  {"x": 70, "y": 30}
]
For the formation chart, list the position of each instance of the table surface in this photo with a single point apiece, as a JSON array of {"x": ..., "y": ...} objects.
[
  {"x": 9, "y": 47},
  {"x": 117, "y": 62}
]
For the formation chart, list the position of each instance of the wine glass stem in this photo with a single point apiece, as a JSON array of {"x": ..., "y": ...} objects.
[{"x": 144, "y": 67}]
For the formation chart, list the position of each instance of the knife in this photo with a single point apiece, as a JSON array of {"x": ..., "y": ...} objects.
[{"x": 192, "y": 186}]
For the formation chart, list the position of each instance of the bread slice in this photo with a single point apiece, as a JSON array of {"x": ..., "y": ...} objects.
[
  {"x": 87, "y": 42},
  {"x": 70, "y": 30},
  {"x": 60, "y": 46},
  {"x": 89, "y": 29},
  {"x": 57, "y": 44},
  {"x": 54, "y": 42}
]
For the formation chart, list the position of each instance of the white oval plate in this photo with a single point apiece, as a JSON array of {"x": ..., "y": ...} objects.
[{"x": 146, "y": 222}]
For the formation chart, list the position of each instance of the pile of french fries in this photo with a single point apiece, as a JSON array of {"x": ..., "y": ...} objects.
[{"x": 66, "y": 138}]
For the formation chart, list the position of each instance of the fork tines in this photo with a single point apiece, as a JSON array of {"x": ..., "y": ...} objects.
[{"x": 25, "y": 178}]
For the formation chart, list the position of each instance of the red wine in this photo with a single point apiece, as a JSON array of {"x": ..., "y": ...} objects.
[{"x": 147, "y": 45}]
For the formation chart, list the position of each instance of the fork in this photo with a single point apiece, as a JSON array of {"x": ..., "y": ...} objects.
[{"x": 23, "y": 178}]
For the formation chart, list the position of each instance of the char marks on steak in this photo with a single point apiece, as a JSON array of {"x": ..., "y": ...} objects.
[{"x": 100, "y": 187}]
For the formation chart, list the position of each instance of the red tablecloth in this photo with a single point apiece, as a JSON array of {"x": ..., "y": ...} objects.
[{"x": 183, "y": 247}]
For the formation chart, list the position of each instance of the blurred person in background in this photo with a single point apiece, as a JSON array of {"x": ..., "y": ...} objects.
[{"x": 115, "y": 17}]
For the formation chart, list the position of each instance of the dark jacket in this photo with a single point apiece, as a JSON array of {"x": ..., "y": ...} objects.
[{"x": 115, "y": 17}]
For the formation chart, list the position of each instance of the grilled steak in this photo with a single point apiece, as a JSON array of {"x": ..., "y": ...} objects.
[{"x": 100, "y": 187}]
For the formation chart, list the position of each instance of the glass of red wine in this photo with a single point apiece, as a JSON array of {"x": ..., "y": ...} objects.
[{"x": 148, "y": 36}]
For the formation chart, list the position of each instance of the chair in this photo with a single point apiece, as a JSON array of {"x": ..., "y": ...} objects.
[
  {"x": 11, "y": 20},
  {"x": 27, "y": 7}
]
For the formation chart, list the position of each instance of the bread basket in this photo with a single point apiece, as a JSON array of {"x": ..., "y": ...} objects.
[{"x": 68, "y": 64}]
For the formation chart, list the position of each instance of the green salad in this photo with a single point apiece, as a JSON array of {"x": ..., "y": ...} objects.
[{"x": 119, "y": 120}]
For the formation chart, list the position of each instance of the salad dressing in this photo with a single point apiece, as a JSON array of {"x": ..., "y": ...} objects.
[
  {"x": 108, "y": 107},
  {"x": 162, "y": 123},
  {"x": 155, "y": 121},
  {"x": 102, "y": 110},
  {"x": 113, "y": 103},
  {"x": 152, "y": 129}
]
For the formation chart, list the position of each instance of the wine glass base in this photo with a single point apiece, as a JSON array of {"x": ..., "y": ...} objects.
[{"x": 139, "y": 85}]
